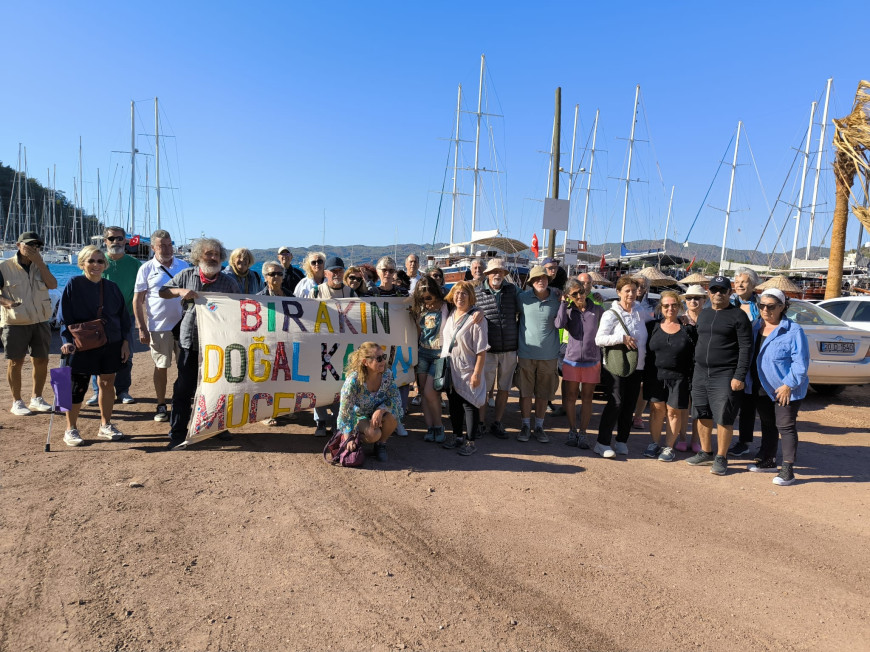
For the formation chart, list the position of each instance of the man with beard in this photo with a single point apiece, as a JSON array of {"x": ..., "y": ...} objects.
[
  {"x": 333, "y": 285},
  {"x": 121, "y": 269},
  {"x": 205, "y": 276},
  {"x": 157, "y": 317}
]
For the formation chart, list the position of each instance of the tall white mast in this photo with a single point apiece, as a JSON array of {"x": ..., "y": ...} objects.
[
  {"x": 668, "y": 221},
  {"x": 477, "y": 148},
  {"x": 571, "y": 170},
  {"x": 132, "y": 220},
  {"x": 818, "y": 167},
  {"x": 800, "y": 205},
  {"x": 730, "y": 194},
  {"x": 455, "y": 167},
  {"x": 157, "y": 157},
  {"x": 81, "y": 195},
  {"x": 628, "y": 172},
  {"x": 99, "y": 198},
  {"x": 589, "y": 179}
]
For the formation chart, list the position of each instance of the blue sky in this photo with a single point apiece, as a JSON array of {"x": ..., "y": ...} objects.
[{"x": 284, "y": 112}]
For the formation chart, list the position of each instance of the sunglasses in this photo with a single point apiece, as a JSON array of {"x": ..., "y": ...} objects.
[
  {"x": 354, "y": 279},
  {"x": 693, "y": 298},
  {"x": 669, "y": 306},
  {"x": 768, "y": 306},
  {"x": 93, "y": 261},
  {"x": 274, "y": 273},
  {"x": 116, "y": 238},
  {"x": 719, "y": 291},
  {"x": 378, "y": 358},
  {"x": 575, "y": 295},
  {"x": 316, "y": 262},
  {"x": 388, "y": 270}
]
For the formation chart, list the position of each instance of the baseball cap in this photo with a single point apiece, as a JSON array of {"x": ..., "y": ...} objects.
[
  {"x": 720, "y": 282},
  {"x": 30, "y": 237},
  {"x": 284, "y": 250},
  {"x": 334, "y": 262}
]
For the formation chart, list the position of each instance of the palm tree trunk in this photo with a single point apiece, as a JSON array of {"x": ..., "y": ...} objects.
[{"x": 844, "y": 170}]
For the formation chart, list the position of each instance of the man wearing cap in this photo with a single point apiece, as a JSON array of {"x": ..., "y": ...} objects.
[
  {"x": 722, "y": 357},
  {"x": 557, "y": 275},
  {"x": 498, "y": 300},
  {"x": 412, "y": 267},
  {"x": 26, "y": 310},
  {"x": 156, "y": 318},
  {"x": 538, "y": 351},
  {"x": 292, "y": 275},
  {"x": 333, "y": 281}
]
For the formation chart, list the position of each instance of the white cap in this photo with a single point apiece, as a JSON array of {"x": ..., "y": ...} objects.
[{"x": 776, "y": 294}]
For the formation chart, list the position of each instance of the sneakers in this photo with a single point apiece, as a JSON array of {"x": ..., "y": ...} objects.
[
  {"x": 401, "y": 431},
  {"x": 430, "y": 435},
  {"x": 449, "y": 440},
  {"x": 417, "y": 400},
  {"x": 720, "y": 465},
  {"x": 701, "y": 459},
  {"x": 162, "y": 413},
  {"x": 19, "y": 409},
  {"x": 767, "y": 465},
  {"x": 93, "y": 400},
  {"x": 381, "y": 452},
  {"x": 176, "y": 444},
  {"x": 320, "y": 430},
  {"x": 572, "y": 438},
  {"x": 653, "y": 450},
  {"x": 621, "y": 448},
  {"x": 109, "y": 432},
  {"x": 525, "y": 433},
  {"x": 38, "y": 404},
  {"x": 667, "y": 454},
  {"x": 73, "y": 438},
  {"x": 637, "y": 424},
  {"x": 440, "y": 435},
  {"x": 541, "y": 436},
  {"x": 497, "y": 430},
  {"x": 786, "y": 475},
  {"x": 738, "y": 450},
  {"x": 468, "y": 448},
  {"x": 604, "y": 451},
  {"x": 125, "y": 398},
  {"x": 582, "y": 442},
  {"x": 682, "y": 446}
]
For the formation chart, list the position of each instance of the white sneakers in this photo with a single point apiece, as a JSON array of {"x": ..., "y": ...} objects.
[
  {"x": 72, "y": 438},
  {"x": 19, "y": 409},
  {"x": 400, "y": 430},
  {"x": 604, "y": 451},
  {"x": 110, "y": 432},
  {"x": 37, "y": 404}
]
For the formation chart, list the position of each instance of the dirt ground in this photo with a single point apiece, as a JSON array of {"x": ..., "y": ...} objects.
[{"x": 257, "y": 544}]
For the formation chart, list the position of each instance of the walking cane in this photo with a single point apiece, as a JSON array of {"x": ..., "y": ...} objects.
[{"x": 61, "y": 383}]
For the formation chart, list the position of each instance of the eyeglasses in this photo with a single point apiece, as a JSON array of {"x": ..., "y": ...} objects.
[
  {"x": 693, "y": 298},
  {"x": 669, "y": 306},
  {"x": 768, "y": 306},
  {"x": 719, "y": 291},
  {"x": 93, "y": 261},
  {"x": 575, "y": 295},
  {"x": 388, "y": 270},
  {"x": 377, "y": 358},
  {"x": 274, "y": 273},
  {"x": 115, "y": 238},
  {"x": 354, "y": 279},
  {"x": 317, "y": 262},
  {"x": 284, "y": 253}
]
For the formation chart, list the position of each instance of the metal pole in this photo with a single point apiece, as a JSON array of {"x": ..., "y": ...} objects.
[
  {"x": 628, "y": 172},
  {"x": 455, "y": 167},
  {"x": 818, "y": 167},
  {"x": 477, "y": 149},
  {"x": 668, "y": 221},
  {"x": 803, "y": 183},
  {"x": 554, "y": 186},
  {"x": 730, "y": 194},
  {"x": 132, "y": 221},
  {"x": 589, "y": 180},
  {"x": 571, "y": 171},
  {"x": 157, "y": 156}
]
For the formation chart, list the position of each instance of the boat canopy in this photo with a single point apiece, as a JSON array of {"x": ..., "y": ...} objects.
[{"x": 507, "y": 245}]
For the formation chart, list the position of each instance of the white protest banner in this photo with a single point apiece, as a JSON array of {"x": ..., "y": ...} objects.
[{"x": 263, "y": 356}]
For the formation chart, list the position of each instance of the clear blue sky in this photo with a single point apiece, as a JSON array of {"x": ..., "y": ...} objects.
[{"x": 282, "y": 111}]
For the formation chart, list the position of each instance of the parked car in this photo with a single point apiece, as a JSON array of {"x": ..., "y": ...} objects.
[
  {"x": 839, "y": 353},
  {"x": 855, "y": 311}
]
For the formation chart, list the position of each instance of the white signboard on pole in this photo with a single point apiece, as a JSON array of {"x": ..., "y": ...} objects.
[{"x": 556, "y": 214}]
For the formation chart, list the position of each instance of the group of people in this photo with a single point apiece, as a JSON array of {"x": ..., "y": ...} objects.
[{"x": 737, "y": 355}]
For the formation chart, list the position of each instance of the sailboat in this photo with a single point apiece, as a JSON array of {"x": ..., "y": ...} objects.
[{"x": 482, "y": 245}]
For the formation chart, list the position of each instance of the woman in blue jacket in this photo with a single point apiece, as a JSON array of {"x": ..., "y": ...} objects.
[{"x": 779, "y": 376}]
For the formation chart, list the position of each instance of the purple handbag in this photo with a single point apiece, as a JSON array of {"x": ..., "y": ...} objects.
[{"x": 335, "y": 452}]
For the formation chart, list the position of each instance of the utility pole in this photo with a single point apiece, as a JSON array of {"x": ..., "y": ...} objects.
[{"x": 554, "y": 185}]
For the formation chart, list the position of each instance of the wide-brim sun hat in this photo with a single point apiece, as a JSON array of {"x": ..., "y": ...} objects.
[
  {"x": 495, "y": 265},
  {"x": 694, "y": 291},
  {"x": 537, "y": 272}
]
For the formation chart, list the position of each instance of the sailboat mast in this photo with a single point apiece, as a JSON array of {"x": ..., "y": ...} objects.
[
  {"x": 800, "y": 205},
  {"x": 477, "y": 148},
  {"x": 571, "y": 172},
  {"x": 628, "y": 172},
  {"x": 818, "y": 167},
  {"x": 554, "y": 186},
  {"x": 132, "y": 220},
  {"x": 27, "y": 226},
  {"x": 81, "y": 195},
  {"x": 18, "y": 184},
  {"x": 157, "y": 157},
  {"x": 455, "y": 168},
  {"x": 730, "y": 195},
  {"x": 589, "y": 180},
  {"x": 668, "y": 221},
  {"x": 99, "y": 198}
]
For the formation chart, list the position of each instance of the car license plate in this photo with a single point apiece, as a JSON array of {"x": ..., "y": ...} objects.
[{"x": 838, "y": 347}]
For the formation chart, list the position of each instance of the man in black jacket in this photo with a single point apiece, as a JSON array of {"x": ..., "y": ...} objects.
[
  {"x": 722, "y": 357},
  {"x": 498, "y": 301}
]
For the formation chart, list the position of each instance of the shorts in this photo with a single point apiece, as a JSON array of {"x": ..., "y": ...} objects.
[
  {"x": 21, "y": 339},
  {"x": 163, "y": 345},
  {"x": 104, "y": 360},
  {"x": 676, "y": 392},
  {"x": 537, "y": 378},
  {"x": 582, "y": 374},
  {"x": 426, "y": 361},
  {"x": 713, "y": 398},
  {"x": 499, "y": 370}
]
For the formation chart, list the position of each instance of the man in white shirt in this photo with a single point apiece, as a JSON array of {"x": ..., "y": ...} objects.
[
  {"x": 412, "y": 267},
  {"x": 155, "y": 317}
]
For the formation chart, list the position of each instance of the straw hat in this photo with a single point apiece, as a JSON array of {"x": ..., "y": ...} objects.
[
  {"x": 697, "y": 277},
  {"x": 780, "y": 282},
  {"x": 655, "y": 277},
  {"x": 694, "y": 291}
]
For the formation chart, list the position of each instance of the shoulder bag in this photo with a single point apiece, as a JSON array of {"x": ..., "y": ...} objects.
[
  {"x": 89, "y": 335},
  {"x": 443, "y": 381},
  {"x": 336, "y": 453},
  {"x": 619, "y": 360}
]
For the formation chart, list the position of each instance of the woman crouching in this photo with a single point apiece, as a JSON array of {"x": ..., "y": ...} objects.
[{"x": 370, "y": 401}]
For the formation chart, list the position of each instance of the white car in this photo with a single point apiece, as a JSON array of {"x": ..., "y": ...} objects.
[
  {"x": 839, "y": 354},
  {"x": 855, "y": 311}
]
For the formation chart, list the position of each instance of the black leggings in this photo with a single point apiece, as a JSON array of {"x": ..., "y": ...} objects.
[
  {"x": 778, "y": 421},
  {"x": 620, "y": 406},
  {"x": 462, "y": 413}
]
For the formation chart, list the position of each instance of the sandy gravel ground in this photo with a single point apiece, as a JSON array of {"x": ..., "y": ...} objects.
[{"x": 257, "y": 544}]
